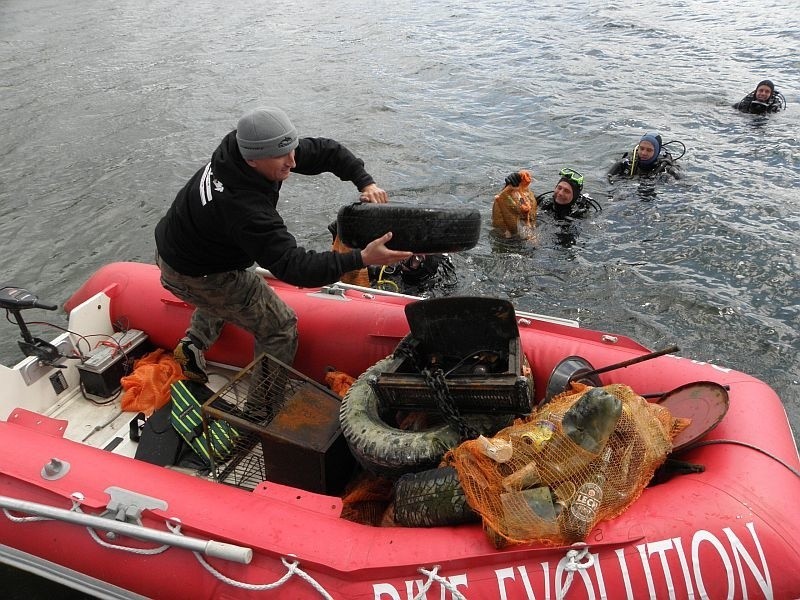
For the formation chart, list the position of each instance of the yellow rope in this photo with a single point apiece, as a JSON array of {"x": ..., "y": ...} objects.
[
  {"x": 633, "y": 160},
  {"x": 381, "y": 281}
]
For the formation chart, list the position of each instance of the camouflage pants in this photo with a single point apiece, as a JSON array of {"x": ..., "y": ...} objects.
[{"x": 239, "y": 297}]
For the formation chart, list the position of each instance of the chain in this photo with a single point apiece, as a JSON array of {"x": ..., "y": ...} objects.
[{"x": 447, "y": 404}]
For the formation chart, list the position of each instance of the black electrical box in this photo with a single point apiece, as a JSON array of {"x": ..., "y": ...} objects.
[{"x": 111, "y": 360}]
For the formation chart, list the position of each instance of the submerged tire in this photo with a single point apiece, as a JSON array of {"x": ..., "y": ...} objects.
[
  {"x": 418, "y": 229},
  {"x": 432, "y": 499},
  {"x": 392, "y": 452}
]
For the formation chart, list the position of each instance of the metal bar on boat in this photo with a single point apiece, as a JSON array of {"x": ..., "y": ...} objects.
[
  {"x": 378, "y": 292},
  {"x": 632, "y": 361},
  {"x": 211, "y": 548}
]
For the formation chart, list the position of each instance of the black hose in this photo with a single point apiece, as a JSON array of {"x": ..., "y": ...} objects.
[{"x": 683, "y": 146}]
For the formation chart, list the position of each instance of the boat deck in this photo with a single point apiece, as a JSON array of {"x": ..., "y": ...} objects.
[{"x": 101, "y": 422}]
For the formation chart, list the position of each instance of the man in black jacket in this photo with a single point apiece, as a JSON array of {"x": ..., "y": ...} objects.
[{"x": 226, "y": 218}]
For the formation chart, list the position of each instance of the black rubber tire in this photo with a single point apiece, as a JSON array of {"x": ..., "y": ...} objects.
[
  {"x": 391, "y": 452},
  {"x": 432, "y": 499},
  {"x": 419, "y": 229}
]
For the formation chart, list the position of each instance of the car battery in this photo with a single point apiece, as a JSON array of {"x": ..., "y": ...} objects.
[{"x": 110, "y": 360}]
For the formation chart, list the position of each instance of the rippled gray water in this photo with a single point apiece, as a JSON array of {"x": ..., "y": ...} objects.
[{"x": 107, "y": 108}]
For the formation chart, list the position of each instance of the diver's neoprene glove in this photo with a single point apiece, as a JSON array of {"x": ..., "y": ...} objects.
[{"x": 514, "y": 179}]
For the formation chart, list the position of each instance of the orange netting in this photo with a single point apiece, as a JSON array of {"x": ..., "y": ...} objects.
[
  {"x": 514, "y": 205},
  {"x": 583, "y": 457},
  {"x": 147, "y": 388},
  {"x": 358, "y": 277},
  {"x": 339, "y": 382},
  {"x": 367, "y": 500}
]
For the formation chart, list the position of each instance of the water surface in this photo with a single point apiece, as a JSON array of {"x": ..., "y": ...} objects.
[{"x": 107, "y": 108}]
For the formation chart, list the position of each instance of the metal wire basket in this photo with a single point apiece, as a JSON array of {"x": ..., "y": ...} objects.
[{"x": 287, "y": 430}]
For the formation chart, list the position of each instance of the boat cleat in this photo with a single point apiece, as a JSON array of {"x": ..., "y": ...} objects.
[{"x": 127, "y": 506}]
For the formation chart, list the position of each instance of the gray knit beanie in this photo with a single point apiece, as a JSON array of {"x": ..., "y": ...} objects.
[{"x": 265, "y": 132}]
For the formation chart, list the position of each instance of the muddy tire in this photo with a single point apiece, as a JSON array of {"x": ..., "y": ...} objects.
[
  {"x": 418, "y": 229},
  {"x": 391, "y": 452},
  {"x": 432, "y": 499}
]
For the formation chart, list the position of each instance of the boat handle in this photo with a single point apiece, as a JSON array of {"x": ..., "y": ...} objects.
[{"x": 211, "y": 548}]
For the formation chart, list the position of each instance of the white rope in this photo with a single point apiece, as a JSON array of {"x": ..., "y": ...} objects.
[
  {"x": 14, "y": 519},
  {"x": 292, "y": 569},
  {"x": 77, "y": 498},
  {"x": 92, "y": 533},
  {"x": 143, "y": 551},
  {"x": 575, "y": 556},
  {"x": 174, "y": 525},
  {"x": 433, "y": 575},
  {"x": 573, "y": 564}
]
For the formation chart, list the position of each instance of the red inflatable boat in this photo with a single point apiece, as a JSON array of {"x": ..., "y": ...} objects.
[{"x": 78, "y": 508}]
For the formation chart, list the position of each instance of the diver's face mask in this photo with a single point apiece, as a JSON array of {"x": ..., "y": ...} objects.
[{"x": 572, "y": 175}]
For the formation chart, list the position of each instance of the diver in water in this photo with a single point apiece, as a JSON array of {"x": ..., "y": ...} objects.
[
  {"x": 567, "y": 200},
  {"x": 764, "y": 99},
  {"x": 649, "y": 158},
  {"x": 416, "y": 275}
]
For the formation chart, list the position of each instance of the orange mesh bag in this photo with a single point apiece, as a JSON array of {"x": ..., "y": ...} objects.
[
  {"x": 147, "y": 388},
  {"x": 514, "y": 205},
  {"x": 367, "y": 500},
  {"x": 358, "y": 277},
  {"x": 339, "y": 382},
  {"x": 549, "y": 478}
]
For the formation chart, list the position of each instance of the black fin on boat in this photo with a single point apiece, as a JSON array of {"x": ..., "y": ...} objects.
[{"x": 159, "y": 442}]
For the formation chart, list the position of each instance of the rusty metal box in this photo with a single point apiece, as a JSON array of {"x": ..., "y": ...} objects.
[
  {"x": 303, "y": 444},
  {"x": 289, "y": 430},
  {"x": 475, "y": 344}
]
